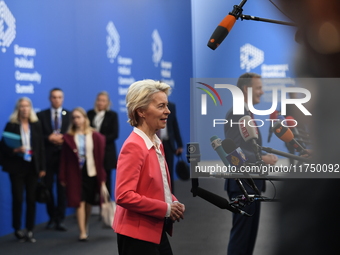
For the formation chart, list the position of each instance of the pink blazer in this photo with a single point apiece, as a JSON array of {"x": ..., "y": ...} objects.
[{"x": 139, "y": 192}]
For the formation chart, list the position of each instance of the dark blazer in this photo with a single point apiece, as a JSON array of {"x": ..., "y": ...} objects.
[
  {"x": 110, "y": 130},
  {"x": 173, "y": 129},
  {"x": 13, "y": 162},
  {"x": 234, "y": 134},
  {"x": 47, "y": 129},
  {"x": 69, "y": 171}
]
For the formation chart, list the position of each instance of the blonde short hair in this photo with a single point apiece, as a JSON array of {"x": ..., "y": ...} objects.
[
  {"x": 139, "y": 96},
  {"x": 87, "y": 127},
  {"x": 14, "y": 118}
]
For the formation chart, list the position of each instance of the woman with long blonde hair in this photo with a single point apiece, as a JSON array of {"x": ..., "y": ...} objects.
[
  {"x": 24, "y": 162},
  {"x": 81, "y": 168}
]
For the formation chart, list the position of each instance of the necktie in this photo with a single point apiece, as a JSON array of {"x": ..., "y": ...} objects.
[{"x": 56, "y": 121}]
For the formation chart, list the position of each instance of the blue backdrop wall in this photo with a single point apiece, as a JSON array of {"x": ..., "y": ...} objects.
[{"x": 84, "y": 47}]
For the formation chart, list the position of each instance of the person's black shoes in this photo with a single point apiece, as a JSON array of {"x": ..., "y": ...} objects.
[
  {"x": 86, "y": 239},
  {"x": 60, "y": 227},
  {"x": 20, "y": 235},
  {"x": 50, "y": 225},
  {"x": 55, "y": 225},
  {"x": 25, "y": 238},
  {"x": 30, "y": 238}
]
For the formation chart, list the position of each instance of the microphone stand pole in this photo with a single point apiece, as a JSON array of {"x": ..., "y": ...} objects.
[
  {"x": 237, "y": 13},
  {"x": 284, "y": 154},
  {"x": 249, "y": 17}
]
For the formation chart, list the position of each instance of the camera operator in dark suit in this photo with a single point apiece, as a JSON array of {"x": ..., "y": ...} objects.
[{"x": 55, "y": 122}]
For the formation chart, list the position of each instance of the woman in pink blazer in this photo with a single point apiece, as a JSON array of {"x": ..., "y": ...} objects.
[{"x": 146, "y": 207}]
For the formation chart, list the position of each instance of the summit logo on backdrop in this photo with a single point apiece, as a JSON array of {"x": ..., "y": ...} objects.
[
  {"x": 251, "y": 57},
  {"x": 157, "y": 47},
  {"x": 112, "y": 41},
  {"x": 7, "y": 27}
]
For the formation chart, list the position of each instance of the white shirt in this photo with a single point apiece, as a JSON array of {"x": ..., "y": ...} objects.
[
  {"x": 25, "y": 138},
  {"x": 98, "y": 119},
  {"x": 149, "y": 144},
  {"x": 164, "y": 133}
]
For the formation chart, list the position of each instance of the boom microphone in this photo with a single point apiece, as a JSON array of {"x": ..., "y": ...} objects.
[
  {"x": 298, "y": 133},
  {"x": 249, "y": 132},
  {"x": 276, "y": 115},
  {"x": 218, "y": 201},
  {"x": 235, "y": 155},
  {"x": 228, "y": 145},
  {"x": 225, "y": 26},
  {"x": 286, "y": 135},
  {"x": 285, "y": 154},
  {"x": 291, "y": 122},
  {"x": 216, "y": 143},
  {"x": 237, "y": 158}
]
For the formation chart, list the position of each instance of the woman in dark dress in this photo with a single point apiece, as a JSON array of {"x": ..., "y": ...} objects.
[
  {"x": 24, "y": 164},
  {"x": 105, "y": 121},
  {"x": 81, "y": 168}
]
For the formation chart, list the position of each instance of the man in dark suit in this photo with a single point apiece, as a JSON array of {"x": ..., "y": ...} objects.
[
  {"x": 244, "y": 231},
  {"x": 172, "y": 141},
  {"x": 105, "y": 121},
  {"x": 55, "y": 122}
]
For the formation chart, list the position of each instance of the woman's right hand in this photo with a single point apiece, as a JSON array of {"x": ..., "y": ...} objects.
[{"x": 19, "y": 150}]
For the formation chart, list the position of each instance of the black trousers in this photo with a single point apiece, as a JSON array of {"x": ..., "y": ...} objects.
[
  {"x": 55, "y": 208},
  {"x": 26, "y": 180},
  {"x": 132, "y": 246},
  {"x": 244, "y": 231}
]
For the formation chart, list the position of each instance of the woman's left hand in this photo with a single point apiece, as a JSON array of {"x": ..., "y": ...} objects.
[{"x": 177, "y": 211}]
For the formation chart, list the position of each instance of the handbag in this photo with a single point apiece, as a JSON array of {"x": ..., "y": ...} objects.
[
  {"x": 182, "y": 169},
  {"x": 42, "y": 193},
  {"x": 108, "y": 207}
]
